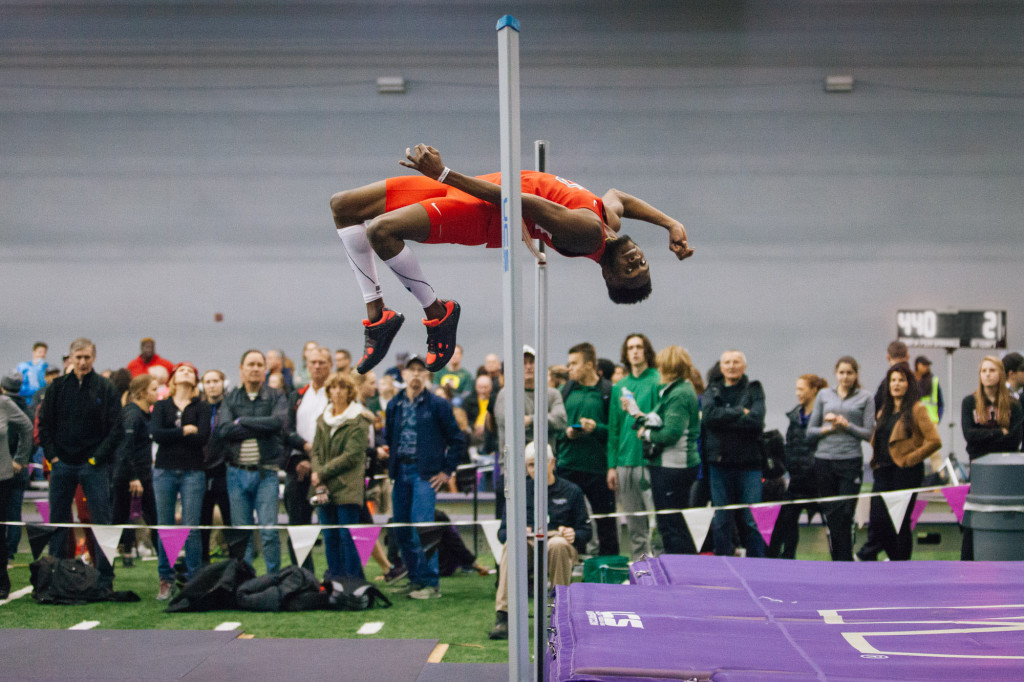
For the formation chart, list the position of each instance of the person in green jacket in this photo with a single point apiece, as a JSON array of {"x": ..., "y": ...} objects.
[
  {"x": 338, "y": 459},
  {"x": 669, "y": 435},
  {"x": 583, "y": 449},
  {"x": 625, "y": 459}
]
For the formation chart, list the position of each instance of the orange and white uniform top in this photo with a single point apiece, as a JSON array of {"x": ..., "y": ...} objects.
[{"x": 458, "y": 218}]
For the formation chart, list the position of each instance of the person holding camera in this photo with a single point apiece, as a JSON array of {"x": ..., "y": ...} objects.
[
  {"x": 338, "y": 461},
  {"x": 669, "y": 439}
]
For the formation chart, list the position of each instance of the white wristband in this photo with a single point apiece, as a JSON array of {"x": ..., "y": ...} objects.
[{"x": 444, "y": 174}]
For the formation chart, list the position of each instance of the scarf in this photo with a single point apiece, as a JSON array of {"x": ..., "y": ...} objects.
[{"x": 353, "y": 411}]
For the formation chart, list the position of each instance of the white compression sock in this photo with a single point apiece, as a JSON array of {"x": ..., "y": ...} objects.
[
  {"x": 360, "y": 257},
  {"x": 407, "y": 269}
]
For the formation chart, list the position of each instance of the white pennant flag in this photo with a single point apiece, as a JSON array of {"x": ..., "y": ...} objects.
[
  {"x": 303, "y": 538},
  {"x": 491, "y": 533},
  {"x": 698, "y": 520},
  {"x": 862, "y": 514},
  {"x": 107, "y": 537},
  {"x": 897, "y": 502}
]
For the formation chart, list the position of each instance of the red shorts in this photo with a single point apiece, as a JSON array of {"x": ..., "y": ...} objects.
[{"x": 455, "y": 217}]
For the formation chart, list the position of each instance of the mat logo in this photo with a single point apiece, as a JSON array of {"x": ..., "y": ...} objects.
[
  {"x": 615, "y": 619},
  {"x": 980, "y": 631}
]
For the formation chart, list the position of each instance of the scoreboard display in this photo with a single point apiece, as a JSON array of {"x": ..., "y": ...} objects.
[{"x": 981, "y": 329}]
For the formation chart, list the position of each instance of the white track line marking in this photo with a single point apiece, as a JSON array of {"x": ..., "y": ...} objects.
[
  {"x": 370, "y": 628},
  {"x": 229, "y": 625},
  {"x": 85, "y": 625},
  {"x": 18, "y": 594}
]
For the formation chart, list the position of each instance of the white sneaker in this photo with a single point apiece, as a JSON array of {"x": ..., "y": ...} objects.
[{"x": 426, "y": 593}]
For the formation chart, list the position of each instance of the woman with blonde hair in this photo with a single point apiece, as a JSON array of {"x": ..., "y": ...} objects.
[
  {"x": 669, "y": 435},
  {"x": 992, "y": 421},
  {"x": 181, "y": 427},
  {"x": 133, "y": 462},
  {"x": 338, "y": 459}
]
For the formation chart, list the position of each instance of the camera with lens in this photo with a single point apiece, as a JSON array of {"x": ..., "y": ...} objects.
[{"x": 651, "y": 422}]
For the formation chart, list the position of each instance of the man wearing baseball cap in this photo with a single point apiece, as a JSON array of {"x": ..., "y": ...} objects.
[{"x": 425, "y": 445}]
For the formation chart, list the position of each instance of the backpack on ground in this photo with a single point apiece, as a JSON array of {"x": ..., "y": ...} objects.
[
  {"x": 213, "y": 587},
  {"x": 69, "y": 581},
  {"x": 355, "y": 594}
]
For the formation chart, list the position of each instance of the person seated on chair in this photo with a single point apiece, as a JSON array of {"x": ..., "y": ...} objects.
[{"x": 568, "y": 534}]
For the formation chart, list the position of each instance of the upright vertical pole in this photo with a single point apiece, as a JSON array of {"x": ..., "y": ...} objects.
[
  {"x": 540, "y": 441},
  {"x": 950, "y": 469},
  {"x": 511, "y": 238}
]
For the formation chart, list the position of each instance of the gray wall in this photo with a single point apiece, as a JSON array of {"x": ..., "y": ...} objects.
[{"x": 163, "y": 161}]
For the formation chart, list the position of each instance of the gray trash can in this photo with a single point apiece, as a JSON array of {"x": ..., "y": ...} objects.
[{"x": 997, "y": 495}]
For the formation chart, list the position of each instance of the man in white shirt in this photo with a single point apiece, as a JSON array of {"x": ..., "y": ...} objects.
[{"x": 307, "y": 404}]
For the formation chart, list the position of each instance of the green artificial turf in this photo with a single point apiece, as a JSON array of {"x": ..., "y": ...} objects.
[{"x": 461, "y": 618}]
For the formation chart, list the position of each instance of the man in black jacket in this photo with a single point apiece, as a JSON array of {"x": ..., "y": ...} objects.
[
  {"x": 80, "y": 428},
  {"x": 568, "y": 534},
  {"x": 251, "y": 424},
  {"x": 732, "y": 423}
]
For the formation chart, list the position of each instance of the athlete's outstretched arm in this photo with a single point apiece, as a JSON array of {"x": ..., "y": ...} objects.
[
  {"x": 622, "y": 205},
  {"x": 575, "y": 231}
]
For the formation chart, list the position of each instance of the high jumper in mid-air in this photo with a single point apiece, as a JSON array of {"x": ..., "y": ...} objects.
[{"x": 446, "y": 207}]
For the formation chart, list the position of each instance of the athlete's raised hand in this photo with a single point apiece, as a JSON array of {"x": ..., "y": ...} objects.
[
  {"x": 677, "y": 242},
  {"x": 424, "y": 159}
]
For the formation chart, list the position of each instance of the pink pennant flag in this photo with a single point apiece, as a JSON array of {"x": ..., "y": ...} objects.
[
  {"x": 173, "y": 540},
  {"x": 44, "y": 509},
  {"x": 365, "y": 539},
  {"x": 765, "y": 517},
  {"x": 915, "y": 515},
  {"x": 957, "y": 496}
]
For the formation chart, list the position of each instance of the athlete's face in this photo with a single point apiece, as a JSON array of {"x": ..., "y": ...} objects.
[{"x": 628, "y": 266}]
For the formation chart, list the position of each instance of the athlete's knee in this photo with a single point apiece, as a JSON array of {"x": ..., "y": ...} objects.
[
  {"x": 343, "y": 208},
  {"x": 380, "y": 231}
]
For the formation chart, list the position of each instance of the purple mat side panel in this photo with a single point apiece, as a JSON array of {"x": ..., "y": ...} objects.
[{"x": 734, "y": 619}]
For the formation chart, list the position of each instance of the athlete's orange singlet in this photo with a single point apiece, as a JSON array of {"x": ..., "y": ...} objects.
[{"x": 458, "y": 218}]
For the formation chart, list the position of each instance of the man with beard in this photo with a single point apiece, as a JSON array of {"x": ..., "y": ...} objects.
[{"x": 446, "y": 207}]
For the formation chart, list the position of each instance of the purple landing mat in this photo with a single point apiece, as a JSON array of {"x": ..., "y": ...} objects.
[
  {"x": 105, "y": 654},
  {"x": 464, "y": 672},
  {"x": 749, "y": 619},
  {"x": 364, "y": 660}
]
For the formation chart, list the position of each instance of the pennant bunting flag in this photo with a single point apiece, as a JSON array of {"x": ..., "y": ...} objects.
[
  {"x": 44, "y": 509},
  {"x": 107, "y": 537},
  {"x": 897, "y": 502},
  {"x": 173, "y": 539},
  {"x": 491, "y": 533},
  {"x": 957, "y": 496},
  {"x": 862, "y": 513},
  {"x": 698, "y": 520},
  {"x": 365, "y": 539},
  {"x": 915, "y": 514},
  {"x": 303, "y": 538},
  {"x": 765, "y": 517}
]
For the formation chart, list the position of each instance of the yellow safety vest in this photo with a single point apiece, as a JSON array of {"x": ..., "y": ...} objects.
[{"x": 931, "y": 401}]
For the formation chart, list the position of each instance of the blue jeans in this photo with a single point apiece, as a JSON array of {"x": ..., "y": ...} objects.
[
  {"x": 735, "y": 486},
  {"x": 167, "y": 484},
  {"x": 95, "y": 482},
  {"x": 412, "y": 501},
  {"x": 18, "y": 485},
  {"x": 256, "y": 491},
  {"x": 342, "y": 557}
]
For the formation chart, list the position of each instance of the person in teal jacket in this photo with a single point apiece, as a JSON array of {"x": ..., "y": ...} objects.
[{"x": 669, "y": 437}]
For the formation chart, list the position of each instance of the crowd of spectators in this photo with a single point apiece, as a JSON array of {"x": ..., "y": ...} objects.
[{"x": 648, "y": 432}]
